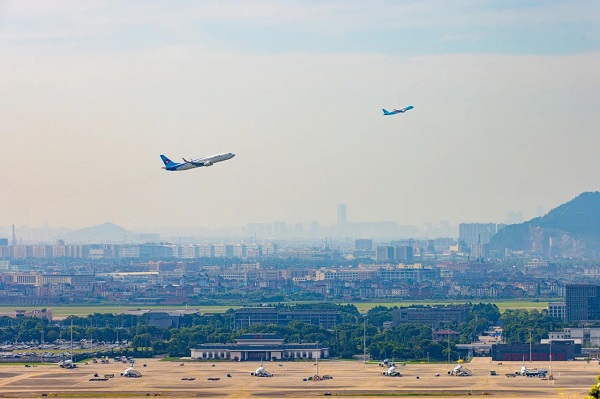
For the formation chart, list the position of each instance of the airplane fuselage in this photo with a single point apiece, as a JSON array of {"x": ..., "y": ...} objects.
[
  {"x": 196, "y": 163},
  {"x": 397, "y": 111}
]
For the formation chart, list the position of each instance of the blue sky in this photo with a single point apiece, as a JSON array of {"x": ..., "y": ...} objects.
[
  {"x": 505, "y": 118},
  {"x": 275, "y": 27}
]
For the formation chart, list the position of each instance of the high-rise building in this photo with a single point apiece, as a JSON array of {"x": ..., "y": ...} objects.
[
  {"x": 385, "y": 253},
  {"x": 480, "y": 251},
  {"x": 363, "y": 244},
  {"x": 582, "y": 302},
  {"x": 476, "y": 233},
  {"x": 404, "y": 254}
]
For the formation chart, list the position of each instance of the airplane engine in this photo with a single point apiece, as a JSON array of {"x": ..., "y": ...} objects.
[{"x": 207, "y": 163}]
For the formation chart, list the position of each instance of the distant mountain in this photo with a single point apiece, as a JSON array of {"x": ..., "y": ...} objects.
[
  {"x": 103, "y": 233},
  {"x": 570, "y": 230}
]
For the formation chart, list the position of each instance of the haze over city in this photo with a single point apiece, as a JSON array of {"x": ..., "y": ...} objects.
[{"x": 505, "y": 116}]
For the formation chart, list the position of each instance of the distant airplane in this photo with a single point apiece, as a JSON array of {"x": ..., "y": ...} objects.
[
  {"x": 131, "y": 372},
  {"x": 392, "y": 372},
  {"x": 67, "y": 364},
  {"x": 460, "y": 371},
  {"x": 195, "y": 163},
  {"x": 261, "y": 372},
  {"x": 397, "y": 111}
]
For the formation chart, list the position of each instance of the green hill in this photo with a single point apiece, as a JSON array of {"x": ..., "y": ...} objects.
[{"x": 571, "y": 230}]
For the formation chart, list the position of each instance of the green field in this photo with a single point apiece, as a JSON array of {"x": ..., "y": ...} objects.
[
  {"x": 364, "y": 307},
  {"x": 60, "y": 312}
]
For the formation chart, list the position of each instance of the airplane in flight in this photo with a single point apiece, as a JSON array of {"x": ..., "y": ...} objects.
[
  {"x": 195, "y": 163},
  {"x": 397, "y": 111}
]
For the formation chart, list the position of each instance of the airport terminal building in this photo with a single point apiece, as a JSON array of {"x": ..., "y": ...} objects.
[{"x": 259, "y": 347}]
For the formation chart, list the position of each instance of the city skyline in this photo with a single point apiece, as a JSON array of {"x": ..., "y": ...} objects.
[
  {"x": 381, "y": 231},
  {"x": 343, "y": 228},
  {"x": 504, "y": 118}
]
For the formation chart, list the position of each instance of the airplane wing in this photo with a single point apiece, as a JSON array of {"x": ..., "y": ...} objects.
[{"x": 193, "y": 162}]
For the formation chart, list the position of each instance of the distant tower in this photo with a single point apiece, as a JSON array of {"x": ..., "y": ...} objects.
[
  {"x": 341, "y": 214},
  {"x": 14, "y": 237}
]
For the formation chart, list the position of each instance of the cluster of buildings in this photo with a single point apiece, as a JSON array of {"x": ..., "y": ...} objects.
[
  {"x": 473, "y": 241},
  {"x": 186, "y": 281},
  {"x": 137, "y": 251},
  {"x": 581, "y": 303},
  {"x": 156, "y": 273},
  {"x": 33, "y": 288}
]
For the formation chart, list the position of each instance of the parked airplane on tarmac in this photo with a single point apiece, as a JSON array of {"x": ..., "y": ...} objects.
[
  {"x": 397, "y": 111},
  {"x": 130, "y": 372},
  {"x": 531, "y": 372},
  {"x": 460, "y": 371},
  {"x": 392, "y": 372},
  {"x": 67, "y": 364},
  {"x": 195, "y": 163},
  {"x": 261, "y": 372}
]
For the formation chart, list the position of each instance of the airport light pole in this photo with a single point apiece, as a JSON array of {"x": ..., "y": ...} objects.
[
  {"x": 365, "y": 339},
  {"x": 530, "y": 345},
  {"x": 71, "y": 317},
  {"x": 318, "y": 359},
  {"x": 448, "y": 348},
  {"x": 550, "y": 357}
]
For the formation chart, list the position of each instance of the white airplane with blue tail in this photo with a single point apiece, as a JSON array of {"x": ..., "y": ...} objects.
[
  {"x": 397, "y": 111},
  {"x": 195, "y": 163}
]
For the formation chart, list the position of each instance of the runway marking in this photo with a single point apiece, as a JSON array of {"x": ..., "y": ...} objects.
[{"x": 240, "y": 394}]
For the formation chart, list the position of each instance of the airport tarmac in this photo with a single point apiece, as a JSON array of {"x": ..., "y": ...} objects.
[{"x": 190, "y": 379}]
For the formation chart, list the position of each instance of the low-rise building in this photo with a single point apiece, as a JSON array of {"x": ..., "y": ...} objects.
[
  {"x": 555, "y": 350},
  {"x": 260, "y": 347},
  {"x": 589, "y": 336},
  {"x": 246, "y": 317},
  {"x": 432, "y": 316},
  {"x": 556, "y": 310}
]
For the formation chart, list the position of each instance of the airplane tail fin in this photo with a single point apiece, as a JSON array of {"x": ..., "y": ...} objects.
[
  {"x": 385, "y": 111},
  {"x": 166, "y": 160}
]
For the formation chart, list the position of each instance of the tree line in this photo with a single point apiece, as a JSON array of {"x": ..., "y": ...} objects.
[{"x": 346, "y": 340}]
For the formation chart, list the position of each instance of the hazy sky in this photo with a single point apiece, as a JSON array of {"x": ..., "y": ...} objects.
[{"x": 506, "y": 116}]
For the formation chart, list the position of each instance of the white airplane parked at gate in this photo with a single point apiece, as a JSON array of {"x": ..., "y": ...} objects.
[
  {"x": 195, "y": 163},
  {"x": 261, "y": 372}
]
